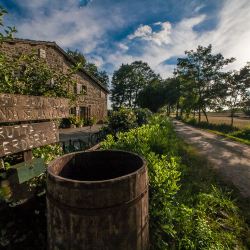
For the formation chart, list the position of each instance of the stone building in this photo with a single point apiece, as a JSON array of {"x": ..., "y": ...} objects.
[{"x": 93, "y": 103}]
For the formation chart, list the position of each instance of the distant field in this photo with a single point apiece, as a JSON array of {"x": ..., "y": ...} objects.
[{"x": 218, "y": 118}]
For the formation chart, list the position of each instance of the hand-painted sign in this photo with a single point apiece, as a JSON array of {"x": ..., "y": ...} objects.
[
  {"x": 18, "y": 138},
  {"x": 23, "y": 137},
  {"x": 15, "y": 108}
]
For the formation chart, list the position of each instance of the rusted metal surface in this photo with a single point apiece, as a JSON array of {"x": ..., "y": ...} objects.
[
  {"x": 98, "y": 200},
  {"x": 14, "y": 108},
  {"x": 18, "y": 138}
]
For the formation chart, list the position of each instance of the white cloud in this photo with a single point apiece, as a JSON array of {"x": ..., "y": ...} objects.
[
  {"x": 69, "y": 26},
  {"x": 87, "y": 29},
  {"x": 143, "y": 31},
  {"x": 122, "y": 46},
  {"x": 231, "y": 37},
  {"x": 97, "y": 60}
]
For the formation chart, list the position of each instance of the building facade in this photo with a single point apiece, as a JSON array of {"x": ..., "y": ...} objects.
[{"x": 93, "y": 104}]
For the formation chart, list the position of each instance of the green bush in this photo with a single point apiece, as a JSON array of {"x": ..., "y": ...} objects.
[
  {"x": 91, "y": 121},
  {"x": 142, "y": 116},
  {"x": 243, "y": 134},
  {"x": 149, "y": 142},
  {"x": 121, "y": 120},
  {"x": 187, "y": 209}
]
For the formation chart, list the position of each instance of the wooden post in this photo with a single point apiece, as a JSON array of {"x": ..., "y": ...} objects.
[
  {"x": 2, "y": 164},
  {"x": 27, "y": 155}
]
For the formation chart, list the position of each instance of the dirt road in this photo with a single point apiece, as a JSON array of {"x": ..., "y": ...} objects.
[{"x": 230, "y": 159}]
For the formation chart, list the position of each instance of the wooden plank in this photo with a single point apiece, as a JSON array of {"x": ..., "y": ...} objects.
[
  {"x": 18, "y": 138},
  {"x": 27, "y": 155},
  {"x": 15, "y": 108},
  {"x": 28, "y": 170}
]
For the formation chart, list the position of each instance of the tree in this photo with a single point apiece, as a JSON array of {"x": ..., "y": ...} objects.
[
  {"x": 91, "y": 68},
  {"x": 128, "y": 81},
  {"x": 8, "y": 31},
  {"x": 78, "y": 56},
  {"x": 201, "y": 72},
  {"x": 158, "y": 94},
  {"x": 152, "y": 96},
  {"x": 236, "y": 91}
]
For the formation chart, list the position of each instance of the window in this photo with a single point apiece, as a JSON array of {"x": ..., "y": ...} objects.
[
  {"x": 72, "y": 111},
  {"x": 81, "y": 89},
  {"x": 42, "y": 53},
  {"x": 75, "y": 111}
]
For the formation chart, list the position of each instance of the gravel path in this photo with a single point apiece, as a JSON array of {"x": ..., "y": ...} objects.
[{"x": 231, "y": 159}]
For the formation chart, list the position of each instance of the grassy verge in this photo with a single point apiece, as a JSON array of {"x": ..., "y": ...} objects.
[
  {"x": 217, "y": 207},
  {"x": 233, "y": 133},
  {"x": 189, "y": 207},
  {"x": 229, "y": 136}
]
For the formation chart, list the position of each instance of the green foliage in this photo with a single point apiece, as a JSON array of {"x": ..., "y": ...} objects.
[
  {"x": 28, "y": 74},
  {"x": 224, "y": 129},
  {"x": 128, "y": 81},
  {"x": 188, "y": 210},
  {"x": 246, "y": 110},
  {"x": 207, "y": 216},
  {"x": 149, "y": 141},
  {"x": 142, "y": 116},
  {"x": 91, "y": 68},
  {"x": 202, "y": 78},
  {"x": 153, "y": 96},
  {"x": 121, "y": 120},
  {"x": 8, "y": 31},
  {"x": 159, "y": 94},
  {"x": 243, "y": 134},
  {"x": 91, "y": 121},
  {"x": 75, "y": 120},
  {"x": 48, "y": 152}
]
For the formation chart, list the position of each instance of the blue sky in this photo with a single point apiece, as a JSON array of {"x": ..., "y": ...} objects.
[{"x": 112, "y": 32}]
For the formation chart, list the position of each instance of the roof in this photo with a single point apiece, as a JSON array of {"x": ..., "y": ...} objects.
[{"x": 68, "y": 57}]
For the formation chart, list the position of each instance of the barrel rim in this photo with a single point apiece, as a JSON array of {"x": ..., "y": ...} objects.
[{"x": 120, "y": 178}]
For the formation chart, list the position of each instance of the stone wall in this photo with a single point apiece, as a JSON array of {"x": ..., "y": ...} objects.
[{"x": 95, "y": 99}]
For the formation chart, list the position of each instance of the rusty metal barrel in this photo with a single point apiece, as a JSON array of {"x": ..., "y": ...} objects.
[{"x": 98, "y": 201}]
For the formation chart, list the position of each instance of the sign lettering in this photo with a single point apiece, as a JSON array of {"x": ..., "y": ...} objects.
[
  {"x": 15, "y": 108},
  {"x": 18, "y": 138}
]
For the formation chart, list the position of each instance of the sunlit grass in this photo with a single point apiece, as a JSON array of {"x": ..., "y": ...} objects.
[{"x": 239, "y": 122}]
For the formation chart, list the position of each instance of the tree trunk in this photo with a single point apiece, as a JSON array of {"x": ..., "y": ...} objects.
[
  {"x": 177, "y": 109},
  {"x": 204, "y": 112},
  {"x": 232, "y": 117},
  {"x": 181, "y": 112},
  {"x": 199, "y": 112},
  {"x": 168, "y": 110}
]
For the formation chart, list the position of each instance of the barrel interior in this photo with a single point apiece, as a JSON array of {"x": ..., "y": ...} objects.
[{"x": 97, "y": 165}]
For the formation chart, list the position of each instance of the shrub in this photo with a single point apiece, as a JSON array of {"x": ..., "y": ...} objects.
[
  {"x": 122, "y": 120},
  {"x": 91, "y": 121},
  {"x": 142, "y": 116},
  {"x": 243, "y": 134},
  {"x": 187, "y": 209},
  {"x": 149, "y": 141}
]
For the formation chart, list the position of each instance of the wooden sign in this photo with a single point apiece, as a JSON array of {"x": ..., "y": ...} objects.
[
  {"x": 15, "y": 108},
  {"x": 18, "y": 138}
]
